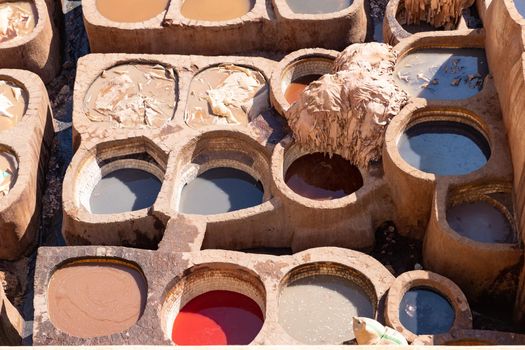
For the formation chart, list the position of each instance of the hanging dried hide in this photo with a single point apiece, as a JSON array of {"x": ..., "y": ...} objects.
[
  {"x": 438, "y": 13},
  {"x": 347, "y": 112}
]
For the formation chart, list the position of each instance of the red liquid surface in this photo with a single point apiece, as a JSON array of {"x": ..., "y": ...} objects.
[
  {"x": 297, "y": 86},
  {"x": 218, "y": 318}
]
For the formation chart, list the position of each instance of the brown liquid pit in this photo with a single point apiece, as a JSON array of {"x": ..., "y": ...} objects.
[
  {"x": 297, "y": 86},
  {"x": 469, "y": 342},
  {"x": 133, "y": 96},
  {"x": 215, "y": 10},
  {"x": 226, "y": 94},
  {"x": 317, "y": 176},
  {"x": 129, "y": 11},
  {"x": 91, "y": 299},
  {"x": 13, "y": 103},
  {"x": 8, "y": 172},
  {"x": 17, "y": 19}
]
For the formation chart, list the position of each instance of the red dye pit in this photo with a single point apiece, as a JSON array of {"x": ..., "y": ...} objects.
[{"x": 218, "y": 318}]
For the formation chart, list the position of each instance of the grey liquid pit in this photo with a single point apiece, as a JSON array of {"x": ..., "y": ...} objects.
[
  {"x": 442, "y": 74},
  {"x": 481, "y": 222},
  {"x": 520, "y": 6},
  {"x": 319, "y": 309},
  {"x": 444, "y": 148},
  {"x": 318, "y": 6},
  {"x": 124, "y": 190},
  {"x": 423, "y": 311},
  {"x": 220, "y": 190}
]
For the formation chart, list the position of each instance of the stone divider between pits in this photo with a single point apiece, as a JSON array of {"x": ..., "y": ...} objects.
[
  {"x": 472, "y": 337},
  {"x": 347, "y": 219},
  {"x": 269, "y": 26},
  {"x": 434, "y": 282},
  {"x": 11, "y": 322},
  {"x": 413, "y": 188},
  {"x": 186, "y": 275},
  {"x": 506, "y": 54},
  {"x": 39, "y": 51},
  {"x": 29, "y": 141}
]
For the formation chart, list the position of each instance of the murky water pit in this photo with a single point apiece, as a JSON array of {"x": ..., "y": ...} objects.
[
  {"x": 316, "y": 307},
  {"x": 96, "y": 297},
  {"x": 129, "y": 11},
  {"x": 442, "y": 74},
  {"x": 425, "y": 311},
  {"x": 17, "y": 19},
  {"x": 443, "y": 147},
  {"x": 318, "y": 7},
  {"x": 319, "y": 176},
  {"x": 133, "y": 96},
  {"x": 226, "y": 95}
]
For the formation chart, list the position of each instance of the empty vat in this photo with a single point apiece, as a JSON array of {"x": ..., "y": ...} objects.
[
  {"x": 17, "y": 19},
  {"x": 444, "y": 148},
  {"x": 133, "y": 95},
  {"x": 424, "y": 311},
  {"x": 13, "y": 104},
  {"x": 321, "y": 177},
  {"x": 93, "y": 298},
  {"x": 124, "y": 190},
  {"x": 226, "y": 94},
  {"x": 220, "y": 190},
  {"x": 218, "y": 317},
  {"x": 131, "y": 10},
  {"x": 318, "y": 7},
  {"x": 481, "y": 221},
  {"x": 216, "y": 10},
  {"x": 441, "y": 73},
  {"x": 316, "y": 307}
]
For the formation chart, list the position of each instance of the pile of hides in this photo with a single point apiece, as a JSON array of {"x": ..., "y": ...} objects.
[
  {"x": 347, "y": 112},
  {"x": 438, "y": 13}
]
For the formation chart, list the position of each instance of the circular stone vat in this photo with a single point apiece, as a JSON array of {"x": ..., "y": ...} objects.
[
  {"x": 422, "y": 26},
  {"x": 18, "y": 19},
  {"x": 444, "y": 147},
  {"x": 96, "y": 297},
  {"x": 483, "y": 221},
  {"x": 441, "y": 73},
  {"x": 317, "y": 302},
  {"x": 129, "y": 11},
  {"x": 242, "y": 92},
  {"x": 321, "y": 177},
  {"x": 124, "y": 190},
  {"x": 13, "y": 104},
  {"x": 299, "y": 74},
  {"x": 8, "y": 172},
  {"x": 220, "y": 190},
  {"x": 424, "y": 311},
  {"x": 133, "y": 95},
  {"x": 215, "y": 306},
  {"x": 216, "y": 10},
  {"x": 318, "y": 7}
]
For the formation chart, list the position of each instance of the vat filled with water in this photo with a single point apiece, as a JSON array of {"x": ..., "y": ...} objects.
[
  {"x": 424, "y": 311},
  {"x": 318, "y": 7},
  {"x": 318, "y": 308},
  {"x": 321, "y": 177},
  {"x": 441, "y": 73},
  {"x": 124, "y": 190},
  {"x": 444, "y": 148},
  {"x": 220, "y": 190}
]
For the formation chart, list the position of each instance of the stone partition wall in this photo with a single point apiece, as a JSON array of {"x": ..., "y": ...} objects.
[
  {"x": 269, "y": 26},
  {"x": 505, "y": 51},
  {"x": 29, "y": 141}
]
